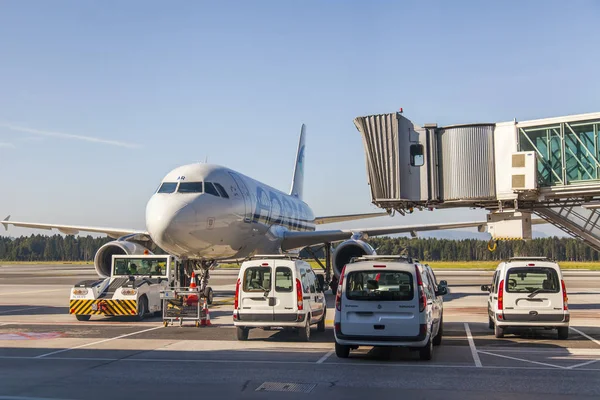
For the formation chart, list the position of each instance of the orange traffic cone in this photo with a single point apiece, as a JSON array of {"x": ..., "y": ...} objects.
[
  {"x": 203, "y": 315},
  {"x": 207, "y": 313},
  {"x": 193, "y": 298}
]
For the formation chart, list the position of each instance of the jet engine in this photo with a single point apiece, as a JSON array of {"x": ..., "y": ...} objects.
[
  {"x": 103, "y": 257},
  {"x": 347, "y": 250}
]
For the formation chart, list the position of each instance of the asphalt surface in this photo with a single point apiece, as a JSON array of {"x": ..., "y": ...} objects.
[{"x": 46, "y": 353}]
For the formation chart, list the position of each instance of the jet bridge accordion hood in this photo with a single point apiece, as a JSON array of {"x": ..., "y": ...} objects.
[{"x": 409, "y": 165}]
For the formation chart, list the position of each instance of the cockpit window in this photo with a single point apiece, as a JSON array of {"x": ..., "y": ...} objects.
[
  {"x": 221, "y": 190},
  {"x": 167, "y": 187},
  {"x": 190, "y": 187},
  {"x": 210, "y": 189}
]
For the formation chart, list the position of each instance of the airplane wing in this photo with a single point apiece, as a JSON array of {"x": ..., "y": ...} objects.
[
  {"x": 293, "y": 239},
  {"x": 73, "y": 229},
  {"x": 350, "y": 217}
]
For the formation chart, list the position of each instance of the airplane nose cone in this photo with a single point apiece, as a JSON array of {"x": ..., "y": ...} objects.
[{"x": 166, "y": 220}]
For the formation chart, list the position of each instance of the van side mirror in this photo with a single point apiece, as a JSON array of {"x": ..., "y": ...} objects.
[
  {"x": 442, "y": 290},
  {"x": 443, "y": 283},
  {"x": 485, "y": 288}
]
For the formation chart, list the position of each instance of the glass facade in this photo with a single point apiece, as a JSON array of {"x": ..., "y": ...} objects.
[{"x": 567, "y": 152}]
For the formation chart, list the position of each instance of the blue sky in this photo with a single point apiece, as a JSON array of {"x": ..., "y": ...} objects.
[{"x": 144, "y": 86}]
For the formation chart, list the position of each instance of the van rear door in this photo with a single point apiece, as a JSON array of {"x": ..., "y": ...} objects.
[
  {"x": 532, "y": 293},
  {"x": 284, "y": 296},
  {"x": 257, "y": 284},
  {"x": 380, "y": 303}
]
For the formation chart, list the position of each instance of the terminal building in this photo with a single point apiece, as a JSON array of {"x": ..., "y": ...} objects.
[{"x": 546, "y": 167}]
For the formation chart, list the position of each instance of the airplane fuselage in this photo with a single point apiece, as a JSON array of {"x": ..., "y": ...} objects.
[{"x": 190, "y": 217}]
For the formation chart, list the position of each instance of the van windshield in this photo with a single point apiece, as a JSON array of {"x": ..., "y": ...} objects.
[
  {"x": 257, "y": 279},
  {"x": 380, "y": 286},
  {"x": 532, "y": 279}
]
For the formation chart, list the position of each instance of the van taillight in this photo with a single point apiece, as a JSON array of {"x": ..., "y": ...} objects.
[
  {"x": 299, "y": 295},
  {"x": 236, "y": 301},
  {"x": 422, "y": 297},
  {"x": 501, "y": 296},
  {"x": 565, "y": 298},
  {"x": 342, "y": 276}
]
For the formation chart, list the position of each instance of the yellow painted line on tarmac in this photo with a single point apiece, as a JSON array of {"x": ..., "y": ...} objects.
[{"x": 224, "y": 301}]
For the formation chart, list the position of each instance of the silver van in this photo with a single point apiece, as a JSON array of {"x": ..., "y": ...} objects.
[{"x": 387, "y": 301}]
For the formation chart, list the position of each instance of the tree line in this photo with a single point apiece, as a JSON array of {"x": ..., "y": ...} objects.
[{"x": 83, "y": 248}]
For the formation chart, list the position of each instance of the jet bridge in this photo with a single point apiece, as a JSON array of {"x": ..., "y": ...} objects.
[{"x": 549, "y": 167}]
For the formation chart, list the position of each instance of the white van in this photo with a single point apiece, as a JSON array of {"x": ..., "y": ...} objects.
[
  {"x": 387, "y": 301},
  {"x": 278, "y": 291},
  {"x": 528, "y": 292}
]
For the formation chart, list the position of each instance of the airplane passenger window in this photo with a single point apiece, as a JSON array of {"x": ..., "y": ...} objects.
[
  {"x": 221, "y": 190},
  {"x": 167, "y": 187},
  {"x": 210, "y": 189},
  {"x": 190, "y": 187}
]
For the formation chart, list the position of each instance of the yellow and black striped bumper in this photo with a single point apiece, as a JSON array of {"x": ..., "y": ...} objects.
[{"x": 103, "y": 307}]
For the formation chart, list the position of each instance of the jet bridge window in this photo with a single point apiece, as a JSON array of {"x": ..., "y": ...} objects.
[
  {"x": 167, "y": 187},
  {"x": 417, "y": 158},
  {"x": 210, "y": 189},
  {"x": 190, "y": 187}
]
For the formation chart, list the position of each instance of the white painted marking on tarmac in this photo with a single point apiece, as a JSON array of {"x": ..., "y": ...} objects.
[
  {"x": 590, "y": 338},
  {"x": 474, "y": 353},
  {"x": 325, "y": 357},
  {"x": 582, "y": 364},
  {"x": 586, "y": 336},
  {"x": 521, "y": 359},
  {"x": 98, "y": 342},
  {"x": 21, "y": 309},
  {"x": 354, "y": 364},
  {"x": 33, "y": 291}
]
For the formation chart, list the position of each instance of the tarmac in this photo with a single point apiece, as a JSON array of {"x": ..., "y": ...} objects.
[{"x": 46, "y": 353}]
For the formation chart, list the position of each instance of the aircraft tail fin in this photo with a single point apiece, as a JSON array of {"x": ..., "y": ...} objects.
[{"x": 298, "y": 180}]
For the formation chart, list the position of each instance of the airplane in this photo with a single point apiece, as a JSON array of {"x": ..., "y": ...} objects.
[{"x": 205, "y": 214}]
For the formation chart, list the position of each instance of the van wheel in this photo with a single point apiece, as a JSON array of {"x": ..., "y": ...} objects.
[
  {"x": 242, "y": 333},
  {"x": 426, "y": 353},
  {"x": 305, "y": 332},
  {"x": 142, "y": 308},
  {"x": 437, "y": 340},
  {"x": 498, "y": 332},
  {"x": 563, "y": 333},
  {"x": 83, "y": 317},
  {"x": 490, "y": 322},
  {"x": 342, "y": 351},
  {"x": 321, "y": 324}
]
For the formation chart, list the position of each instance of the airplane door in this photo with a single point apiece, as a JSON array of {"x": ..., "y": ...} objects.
[{"x": 243, "y": 189}]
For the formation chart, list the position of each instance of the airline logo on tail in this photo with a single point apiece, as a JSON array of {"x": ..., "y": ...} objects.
[{"x": 298, "y": 181}]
